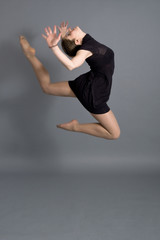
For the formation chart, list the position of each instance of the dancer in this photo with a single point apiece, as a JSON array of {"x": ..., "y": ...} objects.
[{"x": 92, "y": 88}]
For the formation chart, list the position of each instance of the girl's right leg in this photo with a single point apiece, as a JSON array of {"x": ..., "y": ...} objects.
[
  {"x": 107, "y": 126},
  {"x": 58, "y": 88}
]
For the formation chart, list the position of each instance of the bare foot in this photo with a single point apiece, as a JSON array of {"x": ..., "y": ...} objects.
[
  {"x": 70, "y": 126},
  {"x": 27, "y": 49}
]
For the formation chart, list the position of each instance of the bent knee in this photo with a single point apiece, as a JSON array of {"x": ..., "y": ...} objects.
[
  {"x": 115, "y": 135},
  {"x": 45, "y": 88}
]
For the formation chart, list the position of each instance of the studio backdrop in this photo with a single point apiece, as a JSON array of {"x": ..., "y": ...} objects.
[{"x": 29, "y": 138}]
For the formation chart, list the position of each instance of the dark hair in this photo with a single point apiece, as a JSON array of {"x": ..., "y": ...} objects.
[{"x": 69, "y": 47}]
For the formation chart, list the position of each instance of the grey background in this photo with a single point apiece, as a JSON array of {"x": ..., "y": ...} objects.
[
  {"x": 56, "y": 184},
  {"x": 29, "y": 137}
]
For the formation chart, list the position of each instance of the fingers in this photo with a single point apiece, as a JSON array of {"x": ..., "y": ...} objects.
[
  {"x": 48, "y": 32},
  {"x": 54, "y": 29},
  {"x": 66, "y": 23},
  {"x": 44, "y": 36},
  {"x": 59, "y": 36},
  {"x": 63, "y": 24},
  {"x": 69, "y": 30},
  {"x": 59, "y": 28},
  {"x": 49, "y": 29}
]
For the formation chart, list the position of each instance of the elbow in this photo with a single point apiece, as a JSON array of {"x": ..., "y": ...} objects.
[
  {"x": 70, "y": 68},
  {"x": 45, "y": 89}
]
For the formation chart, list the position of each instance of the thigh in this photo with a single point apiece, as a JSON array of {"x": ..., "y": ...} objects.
[
  {"x": 60, "y": 89},
  {"x": 108, "y": 121}
]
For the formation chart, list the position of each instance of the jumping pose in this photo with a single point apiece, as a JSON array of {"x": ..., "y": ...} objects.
[{"x": 92, "y": 88}]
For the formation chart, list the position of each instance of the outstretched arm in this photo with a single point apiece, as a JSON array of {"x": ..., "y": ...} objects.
[{"x": 52, "y": 40}]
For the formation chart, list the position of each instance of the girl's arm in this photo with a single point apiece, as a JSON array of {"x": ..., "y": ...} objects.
[
  {"x": 73, "y": 63},
  {"x": 62, "y": 58},
  {"x": 52, "y": 40}
]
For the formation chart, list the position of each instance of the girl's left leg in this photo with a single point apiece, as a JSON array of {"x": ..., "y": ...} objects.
[
  {"x": 43, "y": 77},
  {"x": 107, "y": 126}
]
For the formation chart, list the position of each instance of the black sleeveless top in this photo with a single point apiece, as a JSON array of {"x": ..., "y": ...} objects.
[{"x": 94, "y": 87}]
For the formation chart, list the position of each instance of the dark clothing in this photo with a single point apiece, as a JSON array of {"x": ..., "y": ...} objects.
[{"x": 94, "y": 87}]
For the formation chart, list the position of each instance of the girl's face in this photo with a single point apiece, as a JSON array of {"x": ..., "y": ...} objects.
[{"x": 73, "y": 33}]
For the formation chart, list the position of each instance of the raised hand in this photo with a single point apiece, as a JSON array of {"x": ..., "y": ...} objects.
[
  {"x": 51, "y": 37},
  {"x": 63, "y": 28}
]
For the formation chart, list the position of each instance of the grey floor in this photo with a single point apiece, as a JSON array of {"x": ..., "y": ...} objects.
[{"x": 48, "y": 206}]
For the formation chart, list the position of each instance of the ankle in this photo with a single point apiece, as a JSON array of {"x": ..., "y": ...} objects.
[
  {"x": 76, "y": 127},
  {"x": 30, "y": 57}
]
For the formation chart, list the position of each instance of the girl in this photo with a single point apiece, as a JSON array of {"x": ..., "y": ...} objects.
[{"x": 92, "y": 88}]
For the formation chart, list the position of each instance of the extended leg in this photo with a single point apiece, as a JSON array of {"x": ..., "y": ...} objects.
[
  {"x": 58, "y": 88},
  {"x": 106, "y": 127}
]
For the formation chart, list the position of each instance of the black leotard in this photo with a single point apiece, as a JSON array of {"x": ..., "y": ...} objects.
[{"x": 93, "y": 88}]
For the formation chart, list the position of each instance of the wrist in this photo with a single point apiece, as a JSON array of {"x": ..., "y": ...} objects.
[{"x": 53, "y": 46}]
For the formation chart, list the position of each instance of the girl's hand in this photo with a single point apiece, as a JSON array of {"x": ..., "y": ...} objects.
[
  {"x": 51, "y": 38},
  {"x": 63, "y": 28}
]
